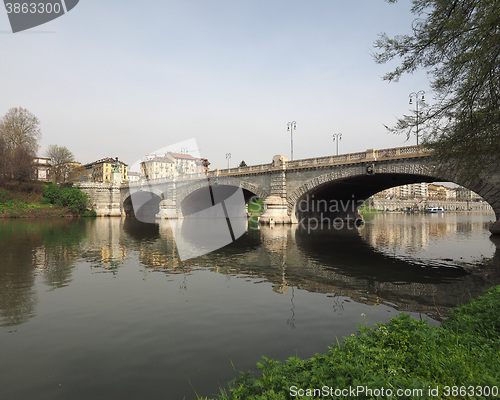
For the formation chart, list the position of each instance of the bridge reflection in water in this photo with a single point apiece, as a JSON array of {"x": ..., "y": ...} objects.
[
  {"x": 372, "y": 265},
  {"x": 92, "y": 301},
  {"x": 424, "y": 264}
]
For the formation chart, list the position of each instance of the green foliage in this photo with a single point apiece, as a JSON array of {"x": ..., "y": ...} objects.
[
  {"x": 89, "y": 213},
  {"x": 52, "y": 193},
  {"x": 453, "y": 41},
  {"x": 404, "y": 353},
  {"x": 255, "y": 205},
  {"x": 73, "y": 198},
  {"x": 5, "y": 195}
]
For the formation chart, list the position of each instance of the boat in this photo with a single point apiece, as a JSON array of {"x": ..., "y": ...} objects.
[{"x": 435, "y": 210}]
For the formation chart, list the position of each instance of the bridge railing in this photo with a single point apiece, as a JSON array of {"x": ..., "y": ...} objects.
[
  {"x": 356, "y": 157},
  {"x": 369, "y": 155},
  {"x": 326, "y": 160},
  {"x": 343, "y": 158},
  {"x": 240, "y": 170},
  {"x": 402, "y": 151}
]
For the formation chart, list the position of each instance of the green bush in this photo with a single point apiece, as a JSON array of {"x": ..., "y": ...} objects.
[
  {"x": 52, "y": 193},
  {"x": 73, "y": 198},
  {"x": 89, "y": 213},
  {"x": 5, "y": 195},
  {"x": 402, "y": 354}
]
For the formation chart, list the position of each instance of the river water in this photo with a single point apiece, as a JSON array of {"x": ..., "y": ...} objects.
[{"x": 105, "y": 309}]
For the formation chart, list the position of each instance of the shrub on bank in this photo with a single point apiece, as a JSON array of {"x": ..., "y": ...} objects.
[
  {"x": 463, "y": 353},
  {"x": 71, "y": 197}
]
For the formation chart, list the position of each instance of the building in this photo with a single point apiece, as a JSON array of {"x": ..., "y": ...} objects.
[
  {"x": 464, "y": 194},
  {"x": 451, "y": 193},
  {"x": 436, "y": 192},
  {"x": 42, "y": 169},
  {"x": 134, "y": 176},
  {"x": 158, "y": 167},
  {"x": 186, "y": 163},
  {"x": 410, "y": 191},
  {"x": 101, "y": 170},
  {"x": 170, "y": 165}
]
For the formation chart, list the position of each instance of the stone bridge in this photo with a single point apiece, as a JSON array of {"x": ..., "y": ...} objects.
[{"x": 324, "y": 187}]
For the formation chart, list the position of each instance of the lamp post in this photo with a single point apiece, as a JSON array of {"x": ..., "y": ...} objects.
[
  {"x": 417, "y": 100},
  {"x": 291, "y": 126},
  {"x": 228, "y": 157},
  {"x": 337, "y": 137}
]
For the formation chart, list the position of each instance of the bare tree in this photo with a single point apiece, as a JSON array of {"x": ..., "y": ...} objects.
[
  {"x": 19, "y": 134},
  {"x": 61, "y": 158},
  {"x": 4, "y": 156},
  {"x": 21, "y": 163},
  {"x": 20, "y": 127}
]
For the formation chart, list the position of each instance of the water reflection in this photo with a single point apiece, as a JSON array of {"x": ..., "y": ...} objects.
[
  {"x": 29, "y": 249},
  {"x": 436, "y": 239},
  {"x": 419, "y": 264},
  {"x": 377, "y": 265}
]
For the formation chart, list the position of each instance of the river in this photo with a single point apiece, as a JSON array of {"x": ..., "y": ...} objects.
[{"x": 105, "y": 309}]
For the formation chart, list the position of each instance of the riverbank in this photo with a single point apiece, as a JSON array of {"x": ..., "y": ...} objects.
[
  {"x": 459, "y": 359},
  {"x": 33, "y": 200}
]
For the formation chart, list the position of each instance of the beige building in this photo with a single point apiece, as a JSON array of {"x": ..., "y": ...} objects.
[
  {"x": 101, "y": 170},
  {"x": 157, "y": 167},
  {"x": 134, "y": 176},
  {"x": 170, "y": 165},
  {"x": 411, "y": 191},
  {"x": 436, "y": 192},
  {"x": 42, "y": 168},
  {"x": 186, "y": 163}
]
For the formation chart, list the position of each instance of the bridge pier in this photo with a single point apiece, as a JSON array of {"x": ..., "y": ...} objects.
[
  {"x": 275, "y": 205},
  {"x": 168, "y": 204},
  {"x": 275, "y": 211}
]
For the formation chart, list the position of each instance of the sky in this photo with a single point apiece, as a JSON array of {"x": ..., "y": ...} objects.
[{"x": 124, "y": 78}]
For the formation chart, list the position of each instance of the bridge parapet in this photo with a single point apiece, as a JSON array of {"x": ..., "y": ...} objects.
[{"x": 350, "y": 158}]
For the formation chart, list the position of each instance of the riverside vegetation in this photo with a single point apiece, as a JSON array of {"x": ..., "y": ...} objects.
[
  {"x": 43, "y": 200},
  {"x": 405, "y": 353}
]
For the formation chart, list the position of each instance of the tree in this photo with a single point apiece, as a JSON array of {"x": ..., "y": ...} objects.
[
  {"x": 21, "y": 163},
  {"x": 458, "y": 43},
  {"x": 3, "y": 159},
  {"x": 20, "y": 127},
  {"x": 243, "y": 163},
  {"x": 19, "y": 134},
  {"x": 60, "y": 158}
]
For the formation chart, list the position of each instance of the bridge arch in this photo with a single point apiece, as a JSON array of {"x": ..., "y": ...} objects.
[
  {"x": 223, "y": 184},
  {"x": 355, "y": 183},
  {"x": 143, "y": 203}
]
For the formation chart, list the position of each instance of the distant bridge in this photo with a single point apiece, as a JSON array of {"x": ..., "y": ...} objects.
[{"x": 322, "y": 187}]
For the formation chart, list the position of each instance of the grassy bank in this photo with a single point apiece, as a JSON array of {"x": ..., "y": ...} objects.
[
  {"x": 36, "y": 199},
  {"x": 459, "y": 359}
]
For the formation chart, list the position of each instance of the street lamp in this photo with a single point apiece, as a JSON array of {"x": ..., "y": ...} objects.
[
  {"x": 228, "y": 156},
  {"x": 417, "y": 100},
  {"x": 337, "y": 137},
  {"x": 291, "y": 126}
]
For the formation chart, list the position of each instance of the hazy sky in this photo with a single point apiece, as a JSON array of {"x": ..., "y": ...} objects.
[{"x": 123, "y": 78}]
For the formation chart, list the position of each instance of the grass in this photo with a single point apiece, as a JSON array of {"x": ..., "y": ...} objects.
[{"x": 405, "y": 353}]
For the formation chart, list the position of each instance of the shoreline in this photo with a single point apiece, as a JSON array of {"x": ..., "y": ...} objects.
[{"x": 403, "y": 354}]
